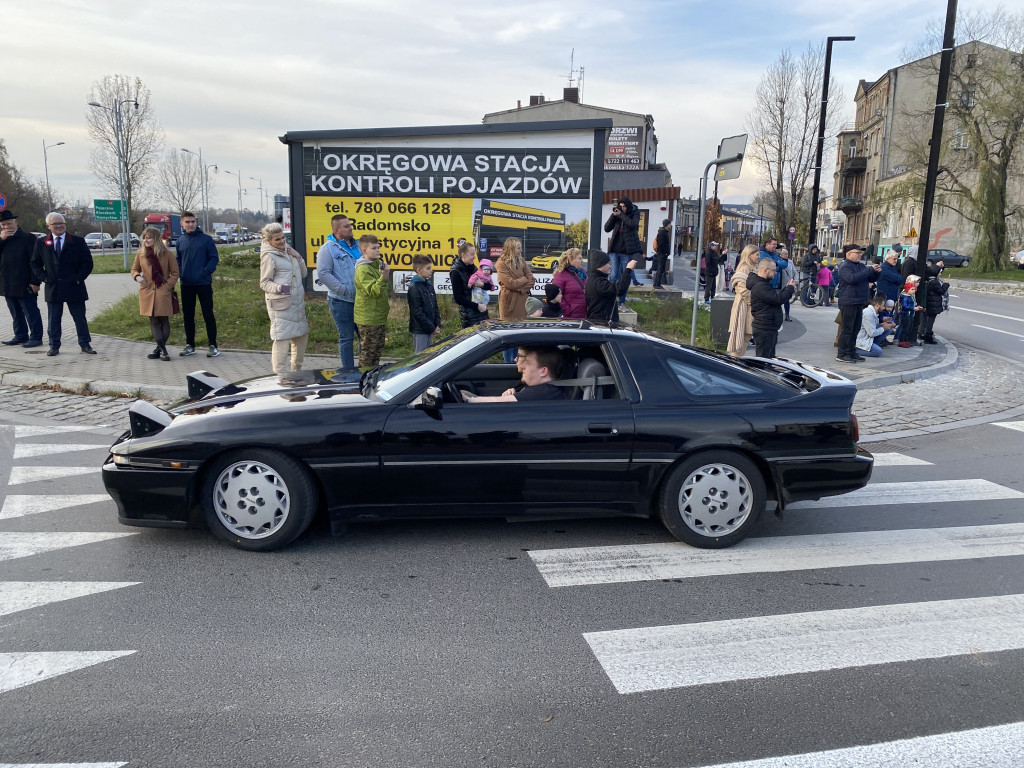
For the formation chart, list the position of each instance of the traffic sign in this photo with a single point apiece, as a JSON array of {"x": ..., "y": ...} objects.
[
  {"x": 107, "y": 210},
  {"x": 792, "y": 230},
  {"x": 730, "y": 157},
  {"x": 3, "y": 202}
]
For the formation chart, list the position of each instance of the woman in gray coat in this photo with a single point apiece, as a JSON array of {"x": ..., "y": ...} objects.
[{"x": 281, "y": 273}]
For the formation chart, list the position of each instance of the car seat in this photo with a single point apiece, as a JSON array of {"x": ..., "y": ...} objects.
[{"x": 592, "y": 368}]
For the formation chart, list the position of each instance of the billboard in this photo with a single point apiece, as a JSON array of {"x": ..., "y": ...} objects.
[
  {"x": 625, "y": 148},
  {"x": 424, "y": 191}
]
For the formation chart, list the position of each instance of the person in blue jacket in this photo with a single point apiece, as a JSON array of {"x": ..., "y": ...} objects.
[
  {"x": 336, "y": 269},
  {"x": 890, "y": 279},
  {"x": 197, "y": 258}
]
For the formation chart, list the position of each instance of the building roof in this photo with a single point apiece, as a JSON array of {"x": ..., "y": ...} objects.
[{"x": 587, "y": 107}]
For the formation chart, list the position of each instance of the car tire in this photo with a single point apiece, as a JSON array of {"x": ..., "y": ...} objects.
[
  {"x": 273, "y": 491},
  {"x": 713, "y": 499}
]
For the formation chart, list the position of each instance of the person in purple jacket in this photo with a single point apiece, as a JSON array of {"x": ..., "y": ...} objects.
[{"x": 571, "y": 279}]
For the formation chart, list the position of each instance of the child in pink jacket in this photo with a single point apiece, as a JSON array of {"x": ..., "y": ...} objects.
[{"x": 825, "y": 281}]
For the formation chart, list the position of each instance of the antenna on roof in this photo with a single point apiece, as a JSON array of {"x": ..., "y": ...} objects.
[{"x": 575, "y": 75}]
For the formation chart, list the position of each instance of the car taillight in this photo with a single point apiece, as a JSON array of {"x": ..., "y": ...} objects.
[{"x": 856, "y": 427}]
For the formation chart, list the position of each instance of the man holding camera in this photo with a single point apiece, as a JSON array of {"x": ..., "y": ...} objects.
[{"x": 624, "y": 246}]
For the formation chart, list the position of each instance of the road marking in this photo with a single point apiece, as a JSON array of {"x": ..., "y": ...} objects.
[
  {"x": 26, "y": 431},
  {"x": 656, "y": 658},
  {"x": 20, "y": 506},
  {"x": 21, "y": 475},
  {"x": 28, "y": 450},
  {"x": 930, "y": 492},
  {"x": 991, "y": 314},
  {"x": 15, "y": 545},
  {"x": 899, "y": 460},
  {"x": 1018, "y": 425},
  {"x": 21, "y": 669},
  {"x": 996, "y": 330},
  {"x": 583, "y": 566},
  {"x": 1000, "y": 746},
  {"x": 21, "y": 595},
  {"x": 62, "y": 765}
]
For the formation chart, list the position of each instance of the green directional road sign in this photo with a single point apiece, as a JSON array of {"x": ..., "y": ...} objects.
[{"x": 107, "y": 210}]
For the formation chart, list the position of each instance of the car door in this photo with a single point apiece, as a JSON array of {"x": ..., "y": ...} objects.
[{"x": 508, "y": 458}]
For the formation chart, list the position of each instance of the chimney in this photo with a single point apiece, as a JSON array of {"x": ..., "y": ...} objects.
[
  {"x": 519, "y": 103},
  {"x": 571, "y": 94},
  {"x": 536, "y": 100}
]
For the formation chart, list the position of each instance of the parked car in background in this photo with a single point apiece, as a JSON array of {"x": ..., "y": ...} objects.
[
  {"x": 133, "y": 240},
  {"x": 948, "y": 258},
  {"x": 545, "y": 261},
  {"x": 99, "y": 240}
]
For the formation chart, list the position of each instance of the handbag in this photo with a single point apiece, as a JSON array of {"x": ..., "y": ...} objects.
[{"x": 175, "y": 306}]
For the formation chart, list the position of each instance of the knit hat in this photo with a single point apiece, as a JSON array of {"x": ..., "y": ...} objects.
[
  {"x": 532, "y": 305},
  {"x": 487, "y": 263},
  {"x": 598, "y": 259},
  {"x": 889, "y": 304},
  {"x": 551, "y": 291},
  {"x": 897, "y": 247},
  {"x": 666, "y": 222}
]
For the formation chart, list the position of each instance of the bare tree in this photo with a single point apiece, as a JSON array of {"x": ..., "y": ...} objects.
[
  {"x": 142, "y": 136},
  {"x": 783, "y": 127},
  {"x": 181, "y": 180}
]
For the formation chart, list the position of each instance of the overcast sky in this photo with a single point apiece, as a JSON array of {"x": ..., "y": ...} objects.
[{"x": 231, "y": 77}]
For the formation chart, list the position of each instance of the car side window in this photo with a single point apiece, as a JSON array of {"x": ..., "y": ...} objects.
[{"x": 703, "y": 383}]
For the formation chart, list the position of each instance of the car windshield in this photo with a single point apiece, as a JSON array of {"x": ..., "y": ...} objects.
[{"x": 391, "y": 379}]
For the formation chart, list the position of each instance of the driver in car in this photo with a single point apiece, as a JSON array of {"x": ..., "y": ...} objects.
[{"x": 539, "y": 367}]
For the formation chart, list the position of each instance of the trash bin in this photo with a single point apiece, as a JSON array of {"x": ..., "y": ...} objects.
[{"x": 721, "y": 308}]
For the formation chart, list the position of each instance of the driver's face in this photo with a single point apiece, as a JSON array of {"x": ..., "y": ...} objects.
[
  {"x": 532, "y": 373},
  {"x": 520, "y": 357}
]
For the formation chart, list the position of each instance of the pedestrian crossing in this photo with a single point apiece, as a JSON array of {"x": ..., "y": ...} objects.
[
  {"x": 637, "y": 660},
  {"x": 26, "y": 668}
]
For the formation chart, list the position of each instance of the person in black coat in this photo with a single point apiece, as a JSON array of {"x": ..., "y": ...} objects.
[
  {"x": 662, "y": 246},
  {"x": 766, "y": 306},
  {"x": 16, "y": 249},
  {"x": 63, "y": 262},
  {"x": 933, "y": 307},
  {"x": 601, "y": 292},
  {"x": 470, "y": 313},
  {"x": 424, "y": 317},
  {"x": 709, "y": 270},
  {"x": 624, "y": 244}
]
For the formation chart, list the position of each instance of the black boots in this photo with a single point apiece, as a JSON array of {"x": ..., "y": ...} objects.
[
  {"x": 155, "y": 353},
  {"x": 159, "y": 353}
]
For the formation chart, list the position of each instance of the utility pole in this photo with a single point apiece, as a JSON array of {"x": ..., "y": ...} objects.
[{"x": 46, "y": 168}]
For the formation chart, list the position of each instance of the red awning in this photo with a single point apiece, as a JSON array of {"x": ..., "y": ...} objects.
[{"x": 649, "y": 195}]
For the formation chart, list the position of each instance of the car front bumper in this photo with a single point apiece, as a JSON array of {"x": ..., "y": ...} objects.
[{"x": 154, "y": 498}]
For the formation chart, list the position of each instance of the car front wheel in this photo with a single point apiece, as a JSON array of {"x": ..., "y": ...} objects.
[
  {"x": 713, "y": 500},
  {"x": 258, "y": 499}
]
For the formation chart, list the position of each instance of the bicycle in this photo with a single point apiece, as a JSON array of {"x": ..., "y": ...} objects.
[{"x": 811, "y": 294}]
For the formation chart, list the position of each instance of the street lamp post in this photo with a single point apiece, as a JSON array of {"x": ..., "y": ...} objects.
[
  {"x": 821, "y": 128},
  {"x": 204, "y": 191},
  {"x": 46, "y": 168},
  {"x": 261, "y": 192},
  {"x": 238, "y": 210},
  {"x": 122, "y": 168}
]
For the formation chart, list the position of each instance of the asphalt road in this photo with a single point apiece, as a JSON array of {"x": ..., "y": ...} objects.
[
  {"x": 986, "y": 321},
  {"x": 484, "y": 642}
]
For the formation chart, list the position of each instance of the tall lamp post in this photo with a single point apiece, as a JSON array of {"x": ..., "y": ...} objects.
[
  {"x": 204, "y": 188},
  {"x": 238, "y": 210},
  {"x": 260, "y": 181},
  {"x": 46, "y": 168},
  {"x": 821, "y": 129},
  {"x": 122, "y": 168}
]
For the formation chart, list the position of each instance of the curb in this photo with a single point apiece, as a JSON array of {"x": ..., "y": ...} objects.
[
  {"x": 947, "y": 364},
  {"x": 98, "y": 386},
  {"x": 936, "y": 428}
]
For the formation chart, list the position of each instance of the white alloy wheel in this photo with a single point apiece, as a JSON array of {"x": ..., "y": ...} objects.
[{"x": 251, "y": 499}]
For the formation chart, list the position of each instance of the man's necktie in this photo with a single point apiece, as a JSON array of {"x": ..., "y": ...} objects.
[{"x": 56, "y": 247}]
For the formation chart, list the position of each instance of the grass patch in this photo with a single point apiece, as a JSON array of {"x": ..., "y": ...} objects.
[
  {"x": 971, "y": 273},
  {"x": 235, "y": 261},
  {"x": 242, "y": 321}
]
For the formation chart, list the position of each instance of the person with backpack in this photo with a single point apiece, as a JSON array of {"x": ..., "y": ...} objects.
[{"x": 936, "y": 302}]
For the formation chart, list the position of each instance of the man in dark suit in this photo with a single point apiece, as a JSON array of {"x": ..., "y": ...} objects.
[
  {"x": 16, "y": 249},
  {"x": 63, "y": 262}
]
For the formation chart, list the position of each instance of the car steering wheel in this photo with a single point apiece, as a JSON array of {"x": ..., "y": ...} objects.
[{"x": 452, "y": 391}]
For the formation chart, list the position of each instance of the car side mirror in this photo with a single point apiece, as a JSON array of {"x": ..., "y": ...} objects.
[{"x": 430, "y": 400}]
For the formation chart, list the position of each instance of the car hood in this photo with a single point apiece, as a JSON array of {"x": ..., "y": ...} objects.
[{"x": 264, "y": 392}]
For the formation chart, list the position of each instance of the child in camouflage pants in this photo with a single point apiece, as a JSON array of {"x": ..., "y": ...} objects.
[{"x": 371, "y": 306}]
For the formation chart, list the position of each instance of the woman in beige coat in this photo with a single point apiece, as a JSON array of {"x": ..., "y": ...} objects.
[
  {"x": 741, "y": 321},
  {"x": 156, "y": 271},
  {"x": 515, "y": 281},
  {"x": 281, "y": 273}
]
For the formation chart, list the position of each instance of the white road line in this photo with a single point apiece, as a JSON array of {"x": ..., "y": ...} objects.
[
  {"x": 1018, "y": 425},
  {"x": 582, "y": 566},
  {"x": 899, "y": 460},
  {"x": 656, "y": 658},
  {"x": 15, "y": 545},
  {"x": 21, "y": 595},
  {"x": 1000, "y": 746},
  {"x": 996, "y": 330},
  {"x": 20, "y": 506},
  {"x": 21, "y": 669},
  {"x": 930, "y": 492},
  {"x": 29, "y": 450},
  {"x": 21, "y": 475},
  {"x": 62, "y": 765},
  {"x": 26, "y": 431},
  {"x": 991, "y": 314}
]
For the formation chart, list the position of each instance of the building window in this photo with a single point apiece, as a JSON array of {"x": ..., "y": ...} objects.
[
  {"x": 972, "y": 60},
  {"x": 960, "y": 138},
  {"x": 967, "y": 97}
]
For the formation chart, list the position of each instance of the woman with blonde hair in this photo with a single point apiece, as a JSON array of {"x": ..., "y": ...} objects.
[
  {"x": 515, "y": 281},
  {"x": 156, "y": 271},
  {"x": 281, "y": 273},
  {"x": 571, "y": 279},
  {"x": 741, "y": 328}
]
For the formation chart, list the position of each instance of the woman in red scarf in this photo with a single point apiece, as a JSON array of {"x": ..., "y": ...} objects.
[{"x": 156, "y": 271}]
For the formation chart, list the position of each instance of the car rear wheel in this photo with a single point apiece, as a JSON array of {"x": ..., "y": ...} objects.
[
  {"x": 713, "y": 500},
  {"x": 258, "y": 499}
]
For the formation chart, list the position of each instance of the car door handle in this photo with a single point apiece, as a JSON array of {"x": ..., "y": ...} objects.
[{"x": 602, "y": 429}]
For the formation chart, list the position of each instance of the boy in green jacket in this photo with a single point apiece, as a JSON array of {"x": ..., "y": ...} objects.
[{"x": 371, "y": 309}]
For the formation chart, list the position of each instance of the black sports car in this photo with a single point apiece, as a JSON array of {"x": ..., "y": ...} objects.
[{"x": 647, "y": 427}]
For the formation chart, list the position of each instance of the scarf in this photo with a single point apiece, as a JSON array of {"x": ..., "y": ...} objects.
[
  {"x": 154, "y": 266},
  {"x": 580, "y": 274}
]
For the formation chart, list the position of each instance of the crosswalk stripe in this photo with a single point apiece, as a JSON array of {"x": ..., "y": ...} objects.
[
  {"x": 21, "y": 475},
  {"x": 63, "y": 429},
  {"x": 656, "y": 658},
  {"x": 928, "y": 492},
  {"x": 999, "y": 746},
  {"x": 20, "y": 506},
  {"x": 582, "y": 566},
  {"x": 1018, "y": 425},
  {"x": 15, "y": 545},
  {"x": 29, "y": 450},
  {"x": 21, "y": 669},
  {"x": 21, "y": 595},
  {"x": 896, "y": 460}
]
